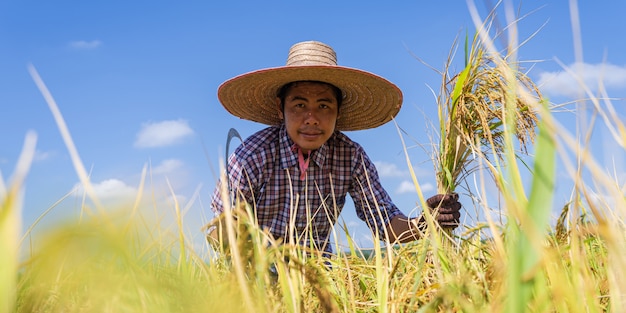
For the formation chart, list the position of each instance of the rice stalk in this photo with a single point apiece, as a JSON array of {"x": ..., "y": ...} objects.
[
  {"x": 471, "y": 112},
  {"x": 11, "y": 224},
  {"x": 578, "y": 271},
  {"x": 598, "y": 205},
  {"x": 516, "y": 100},
  {"x": 91, "y": 267},
  {"x": 79, "y": 167}
]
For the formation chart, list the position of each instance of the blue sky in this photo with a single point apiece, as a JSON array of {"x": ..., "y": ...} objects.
[{"x": 136, "y": 83}]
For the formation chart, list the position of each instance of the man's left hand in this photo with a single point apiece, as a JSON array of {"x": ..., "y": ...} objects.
[{"x": 446, "y": 209}]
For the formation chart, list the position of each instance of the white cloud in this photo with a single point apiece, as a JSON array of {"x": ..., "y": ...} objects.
[
  {"x": 111, "y": 189},
  {"x": 386, "y": 169},
  {"x": 85, "y": 45},
  {"x": 407, "y": 186},
  {"x": 427, "y": 187},
  {"x": 161, "y": 134},
  {"x": 167, "y": 166},
  {"x": 564, "y": 83}
]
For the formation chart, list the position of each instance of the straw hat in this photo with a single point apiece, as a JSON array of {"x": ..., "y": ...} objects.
[{"x": 368, "y": 100}]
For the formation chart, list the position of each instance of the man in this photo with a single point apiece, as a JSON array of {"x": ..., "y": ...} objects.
[{"x": 297, "y": 172}]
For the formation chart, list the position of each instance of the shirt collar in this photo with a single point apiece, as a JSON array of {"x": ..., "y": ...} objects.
[{"x": 289, "y": 157}]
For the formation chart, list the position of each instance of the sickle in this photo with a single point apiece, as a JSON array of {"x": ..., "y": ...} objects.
[{"x": 231, "y": 133}]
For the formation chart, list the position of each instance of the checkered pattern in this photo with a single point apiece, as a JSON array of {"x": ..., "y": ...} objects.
[{"x": 264, "y": 170}]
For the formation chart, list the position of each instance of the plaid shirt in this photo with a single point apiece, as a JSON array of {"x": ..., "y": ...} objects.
[{"x": 264, "y": 170}]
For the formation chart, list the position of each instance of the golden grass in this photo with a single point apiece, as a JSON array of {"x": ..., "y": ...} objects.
[
  {"x": 473, "y": 106},
  {"x": 85, "y": 267},
  {"x": 109, "y": 262},
  {"x": 11, "y": 224}
]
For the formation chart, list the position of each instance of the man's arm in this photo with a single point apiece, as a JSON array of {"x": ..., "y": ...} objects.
[
  {"x": 445, "y": 209},
  {"x": 402, "y": 229}
]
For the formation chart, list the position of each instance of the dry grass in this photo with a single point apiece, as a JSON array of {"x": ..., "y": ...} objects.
[{"x": 128, "y": 265}]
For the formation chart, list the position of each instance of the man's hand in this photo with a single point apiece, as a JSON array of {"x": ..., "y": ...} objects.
[{"x": 445, "y": 209}]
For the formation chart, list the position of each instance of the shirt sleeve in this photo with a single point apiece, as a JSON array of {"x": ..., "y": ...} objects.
[
  {"x": 243, "y": 178},
  {"x": 372, "y": 203}
]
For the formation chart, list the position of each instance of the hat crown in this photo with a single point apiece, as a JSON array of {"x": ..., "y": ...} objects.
[{"x": 311, "y": 53}]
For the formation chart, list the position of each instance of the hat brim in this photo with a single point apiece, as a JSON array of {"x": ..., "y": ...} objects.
[{"x": 368, "y": 99}]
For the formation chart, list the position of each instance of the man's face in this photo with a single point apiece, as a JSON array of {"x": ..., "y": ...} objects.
[{"x": 310, "y": 114}]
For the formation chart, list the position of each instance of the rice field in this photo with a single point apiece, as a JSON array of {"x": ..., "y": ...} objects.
[{"x": 517, "y": 261}]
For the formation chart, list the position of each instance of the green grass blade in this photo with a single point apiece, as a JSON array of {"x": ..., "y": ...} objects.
[
  {"x": 542, "y": 190},
  {"x": 458, "y": 87},
  {"x": 467, "y": 52},
  {"x": 526, "y": 243}
]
